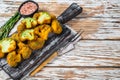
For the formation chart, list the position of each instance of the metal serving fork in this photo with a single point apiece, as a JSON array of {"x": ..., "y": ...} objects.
[{"x": 70, "y": 42}]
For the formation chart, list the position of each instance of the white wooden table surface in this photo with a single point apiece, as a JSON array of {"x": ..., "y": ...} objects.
[{"x": 96, "y": 56}]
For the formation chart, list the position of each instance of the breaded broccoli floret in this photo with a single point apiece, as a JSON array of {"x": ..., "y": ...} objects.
[
  {"x": 1, "y": 53},
  {"x": 21, "y": 27},
  {"x": 24, "y": 50},
  {"x": 7, "y": 45},
  {"x": 36, "y": 44},
  {"x": 29, "y": 22},
  {"x": 27, "y": 35},
  {"x": 43, "y": 31},
  {"x": 36, "y": 15},
  {"x": 15, "y": 36},
  {"x": 53, "y": 16},
  {"x": 44, "y": 18},
  {"x": 13, "y": 58},
  {"x": 56, "y": 27}
]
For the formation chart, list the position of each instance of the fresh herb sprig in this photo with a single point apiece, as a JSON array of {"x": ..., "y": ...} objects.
[{"x": 6, "y": 28}]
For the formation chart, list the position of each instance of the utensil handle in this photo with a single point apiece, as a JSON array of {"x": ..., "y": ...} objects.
[{"x": 72, "y": 11}]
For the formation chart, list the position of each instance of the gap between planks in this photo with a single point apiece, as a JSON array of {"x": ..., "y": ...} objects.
[{"x": 82, "y": 66}]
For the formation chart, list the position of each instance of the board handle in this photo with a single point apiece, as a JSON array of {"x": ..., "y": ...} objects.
[{"x": 72, "y": 11}]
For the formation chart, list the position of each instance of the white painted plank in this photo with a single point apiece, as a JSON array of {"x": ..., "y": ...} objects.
[
  {"x": 54, "y": 73},
  {"x": 91, "y": 53},
  {"x": 97, "y": 28},
  {"x": 77, "y": 74},
  {"x": 91, "y": 8}
]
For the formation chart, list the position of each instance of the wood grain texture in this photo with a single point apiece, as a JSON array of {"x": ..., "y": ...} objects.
[
  {"x": 77, "y": 74},
  {"x": 99, "y": 20},
  {"x": 91, "y": 53},
  {"x": 97, "y": 55},
  {"x": 54, "y": 73},
  {"x": 98, "y": 8}
]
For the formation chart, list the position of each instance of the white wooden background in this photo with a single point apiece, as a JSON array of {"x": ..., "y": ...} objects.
[{"x": 97, "y": 55}]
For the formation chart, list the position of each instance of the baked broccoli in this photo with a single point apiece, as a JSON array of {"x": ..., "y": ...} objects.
[
  {"x": 36, "y": 44},
  {"x": 29, "y": 22},
  {"x": 15, "y": 36},
  {"x": 24, "y": 50},
  {"x": 27, "y": 35},
  {"x": 56, "y": 27},
  {"x": 13, "y": 58},
  {"x": 43, "y": 31},
  {"x": 53, "y": 16},
  {"x": 44, "y": 18},
  {"x": 36, "y": 15},
  {"x": 1, "y": 53},
  {"x": 21, "y": 27},
  {"x": 7, "y": 45}
]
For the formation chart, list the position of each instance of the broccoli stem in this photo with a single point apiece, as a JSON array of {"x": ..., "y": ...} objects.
[{"x": 6, "y": 28}]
